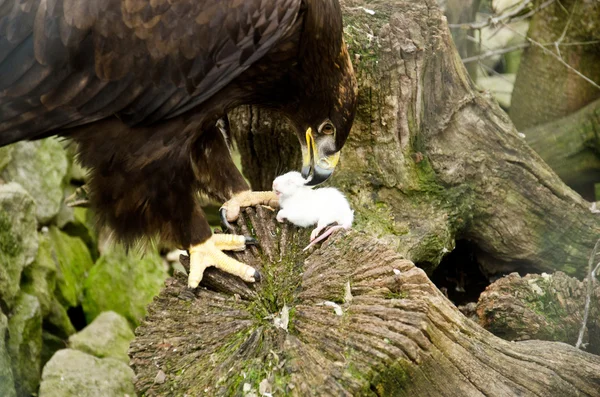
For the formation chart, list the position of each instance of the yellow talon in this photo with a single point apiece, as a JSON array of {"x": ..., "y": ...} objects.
[{"x": 209, "y": 254}]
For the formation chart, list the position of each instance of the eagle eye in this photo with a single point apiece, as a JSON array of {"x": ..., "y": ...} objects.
[{"x": 327, "y": 128}]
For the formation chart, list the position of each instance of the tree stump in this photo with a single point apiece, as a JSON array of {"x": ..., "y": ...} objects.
[
  {"x": 430, "y": 160},
  {"x": 362, "y": 321}
]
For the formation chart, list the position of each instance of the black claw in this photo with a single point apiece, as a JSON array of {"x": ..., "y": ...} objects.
[
  {"x": 251, "y": 240},
  {"x": 257, "y": 276},
  {"x": 224, "y": 222}
]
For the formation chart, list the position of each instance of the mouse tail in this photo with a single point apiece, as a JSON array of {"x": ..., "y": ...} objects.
[{"x": 325, "y": 235}]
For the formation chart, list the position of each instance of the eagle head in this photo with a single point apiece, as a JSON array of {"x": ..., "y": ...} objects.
[{"x": 324, "y": 117}]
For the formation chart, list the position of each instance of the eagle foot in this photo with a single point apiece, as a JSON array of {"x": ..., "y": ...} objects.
[
  {"x": 209, "y": 253},
  {"x": 230, "y": 210}
]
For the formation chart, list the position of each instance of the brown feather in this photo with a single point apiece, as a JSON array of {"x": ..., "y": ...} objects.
[{"x": 140, "y": 84}]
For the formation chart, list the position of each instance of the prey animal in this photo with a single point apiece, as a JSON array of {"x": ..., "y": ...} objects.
[{"x": 304, "y": 206}]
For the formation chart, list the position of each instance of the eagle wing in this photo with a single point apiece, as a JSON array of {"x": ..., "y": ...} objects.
[{"x": 65, "y": 63}]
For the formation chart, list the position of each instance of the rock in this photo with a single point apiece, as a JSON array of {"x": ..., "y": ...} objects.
[
  {"x": 74, "y": 261},
  {"x": 39, "y": 279},
  {"x": 124, "y": 284},
  {"x": 25, "y": 344},
  {"x": 50, "y": 345},
  {"x": 18, "y": 238},
  {"x": 40, "y": 167},
  {"x": 71, "y": 373},
  {"x": 5, "y": 156},
  {"x": 7, "y": 383},
  {"x": 108, "y": 335},
  {"x": 83, "y": 226},
  {"x": 57, "y": 321},
  {"x": 65, "y": 213}
]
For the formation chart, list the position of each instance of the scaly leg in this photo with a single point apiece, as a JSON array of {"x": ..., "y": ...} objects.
[
  {"x": 230, "y": 211},
  {"x": 209, "y": 254}
]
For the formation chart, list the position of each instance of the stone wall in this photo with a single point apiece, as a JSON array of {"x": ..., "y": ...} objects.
[{"x": 54, "y": 281}]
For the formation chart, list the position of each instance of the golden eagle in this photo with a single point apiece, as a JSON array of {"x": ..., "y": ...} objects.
[{"x": 140, "y": 85}]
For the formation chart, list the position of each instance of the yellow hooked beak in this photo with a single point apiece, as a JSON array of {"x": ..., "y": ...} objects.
[{"x": 322, "y": 167}]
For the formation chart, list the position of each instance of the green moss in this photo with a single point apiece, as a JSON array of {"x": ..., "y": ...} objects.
[
  {"x": 124, "y": 283},
  {"x": 74, "y": 261},
  {"x": 392, "y": 379},
  {"x": 10, "y": 245},
  {"x": 396, "y": 295},
  {"x": 39, "y": 279}
]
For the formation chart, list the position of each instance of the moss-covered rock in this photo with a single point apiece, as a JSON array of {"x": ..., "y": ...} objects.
[
  {"x": 71, "y": 373},
  {"x": 18, "y": 239},
  {"x": 124, "y": 284},
  {"x": 74, "y": 261},
  {"x": 65, "y": 214},
  {"x": 25, "y": 344},
  {"x": 57, "y": 321},
  {"x": 108, "y": 335},
  {"x": 39, "y": 279},
  {"x": 40, "y": 167},
  {"x": 83, "y": 226},
  {"x": 50, "y": 345},
  {"x": 5, "y": 156},
  {"x": 7, "y": 383}
]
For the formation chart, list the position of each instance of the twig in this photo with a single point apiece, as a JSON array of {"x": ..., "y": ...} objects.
[
  {"x": 588, "y": 298},
  {"x": 558, "y": 57},
  {"x": 564, "y": 32},
  {"x": 494, "y": 20},
  {"x": 530, "y": 13},
  {"x": 499, "y": 51}
]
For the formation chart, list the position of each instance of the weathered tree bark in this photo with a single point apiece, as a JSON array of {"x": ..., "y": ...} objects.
[
  {"x": 394, "y": 334},
  {"x": 545, "y": 90},
  {"x": 430, "y": 160},
  {"x": 267, "y": 147},
  {"x": 571, "y": 146},
  {"x": 546, "y": 307}
]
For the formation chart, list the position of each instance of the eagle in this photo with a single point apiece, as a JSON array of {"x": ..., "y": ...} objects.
[{"x": 140, "y": 87}]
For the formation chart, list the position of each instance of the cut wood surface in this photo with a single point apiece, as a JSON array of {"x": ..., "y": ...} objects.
[{"x": 362, "y": 321}]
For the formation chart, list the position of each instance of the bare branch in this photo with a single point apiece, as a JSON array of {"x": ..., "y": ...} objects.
[
  {"x": 588, "y": 298},
  {"x": 557, "y": 56},
  {"x": 493, "y": 20},
  {"x": 499, "y": 51}
]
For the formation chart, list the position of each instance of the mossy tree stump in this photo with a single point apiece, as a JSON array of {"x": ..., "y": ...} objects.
[
  {"x": 430, "y": 160},
  {"x": 394, "y": 333}
]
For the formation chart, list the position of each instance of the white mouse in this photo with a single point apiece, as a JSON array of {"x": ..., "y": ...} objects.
[{"x": 304, "y": 206}]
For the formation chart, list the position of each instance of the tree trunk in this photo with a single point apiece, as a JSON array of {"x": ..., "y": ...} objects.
[
  {"x": 545, "y": 90},
  {"x": 362, "y": 321},
  {"x": 571, "y": 146},
  {"x": 430, "y": 160}
]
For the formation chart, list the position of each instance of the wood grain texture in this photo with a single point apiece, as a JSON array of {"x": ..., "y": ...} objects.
[{"x": 397, "y": 335}]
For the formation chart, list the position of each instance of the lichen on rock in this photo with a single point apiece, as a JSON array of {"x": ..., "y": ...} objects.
[
  {"x": 108, "y": 335},
  {"x": 39, "y": 279},
  {"x": 7, "y": 383},
  {"x": 18, "y": 239},
  {"x": 25, "y": 343},
  {"x": 74, "y": 261},
  {"x": 123, "y": 283},
  {"x": 40, "y": 167},
  {"x": 72, "y": 373}
]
